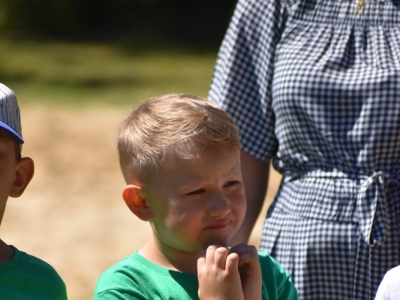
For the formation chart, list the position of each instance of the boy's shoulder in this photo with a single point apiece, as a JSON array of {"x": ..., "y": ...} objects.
[
  {"x": 269, "y": 264},
  {"x": 276, "y": 281},
  {"x": 31, "y": 277},
  {"x": 121, "y": 270},
  {"x": 141, "y": 279}
]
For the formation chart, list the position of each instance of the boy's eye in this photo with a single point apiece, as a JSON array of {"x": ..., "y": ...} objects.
[
  {"x": 196, "y": 192},
  {"x": 230, "y": 183}
]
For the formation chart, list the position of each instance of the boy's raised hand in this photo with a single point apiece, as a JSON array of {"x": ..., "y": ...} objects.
[
  {"x": 250, "y": 270},
  {"x": 218, "y": 273}
]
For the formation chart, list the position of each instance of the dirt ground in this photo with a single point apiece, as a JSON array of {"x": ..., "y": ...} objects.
[{"x": 72, "y": 214}]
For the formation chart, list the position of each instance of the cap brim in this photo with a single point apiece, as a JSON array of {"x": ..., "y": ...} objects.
[{"x": 19, "y": 138}]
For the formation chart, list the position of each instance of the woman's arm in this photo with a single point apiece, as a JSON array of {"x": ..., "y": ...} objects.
[{"x": 255, "y": 179}]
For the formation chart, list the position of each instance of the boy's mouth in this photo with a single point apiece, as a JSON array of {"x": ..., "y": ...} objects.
[{"x": 219, "y": 225}]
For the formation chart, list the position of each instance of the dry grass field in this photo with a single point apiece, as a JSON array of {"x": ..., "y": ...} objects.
[{"x": 72, "y": 214}]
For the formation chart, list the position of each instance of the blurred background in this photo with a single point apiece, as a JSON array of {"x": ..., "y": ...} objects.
[
  {"x": 91, "y": 52},
  {"x": 78, "y": 67}
]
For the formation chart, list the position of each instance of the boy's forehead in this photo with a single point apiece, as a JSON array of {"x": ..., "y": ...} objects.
[{"x": 175, "y": 161}]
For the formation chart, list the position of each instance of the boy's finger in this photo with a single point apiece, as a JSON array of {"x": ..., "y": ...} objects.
[
  {"x": 221, "y": 254},
  {"x": 241, "y": 248},
  {"x": 232, "y": 263},
  {"x": 200, "y": 263},
  {"x": 210, "y": 253},
  {"x": 246, "y": 253}
]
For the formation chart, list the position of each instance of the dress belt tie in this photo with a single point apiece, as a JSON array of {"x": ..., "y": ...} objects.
[{"x": 372, "y": 203}]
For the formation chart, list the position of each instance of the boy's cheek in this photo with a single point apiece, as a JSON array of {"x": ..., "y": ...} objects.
[{"x": 241, "y": 209}]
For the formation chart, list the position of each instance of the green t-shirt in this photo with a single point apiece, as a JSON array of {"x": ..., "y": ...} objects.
[
  {"x": 28, "y": 277},
  {"x": 135, "y": 277}
]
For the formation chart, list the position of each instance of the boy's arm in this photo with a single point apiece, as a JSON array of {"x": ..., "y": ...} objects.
[
  {"x": 113, "y": 286},
  {"x": 218, "y": 274},
  {"x": 112, "y": 295},
  {"x": 287, "y": 290},
  {"x": 250, "y": 271},
  {"x": 276, "y": 281},
  {"x": 115, "y": 294}
]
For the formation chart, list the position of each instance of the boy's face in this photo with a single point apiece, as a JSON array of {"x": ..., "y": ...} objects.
[
  {"x": 197, "y": 202},
  {"x": 8, "y": 163}
]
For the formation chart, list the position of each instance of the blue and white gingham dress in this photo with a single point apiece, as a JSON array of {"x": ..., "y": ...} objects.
[{"x": 316, "y": 86}]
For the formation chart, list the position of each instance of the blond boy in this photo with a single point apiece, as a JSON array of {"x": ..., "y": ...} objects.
[
  {"x": 180, "y": 157},
  {"x": 22, "y": 276}
]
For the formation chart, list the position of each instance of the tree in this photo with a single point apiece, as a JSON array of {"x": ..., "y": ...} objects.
[{"x": 178, "y": 22}]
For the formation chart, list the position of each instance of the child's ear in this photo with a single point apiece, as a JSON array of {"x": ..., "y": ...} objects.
[
  {"x": 134, "y": 198},
  {"x": 25, "y": 168}
]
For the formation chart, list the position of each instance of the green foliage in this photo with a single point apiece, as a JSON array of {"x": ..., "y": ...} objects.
[
  {"x": 144, "y": 22},
  {"x": 91, "y": 73}
]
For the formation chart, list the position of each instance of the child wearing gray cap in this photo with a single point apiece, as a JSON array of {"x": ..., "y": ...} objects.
[{"x": 22, "y": 276}]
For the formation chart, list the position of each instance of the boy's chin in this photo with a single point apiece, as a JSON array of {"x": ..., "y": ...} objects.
[{"x": 217, "y": 242}]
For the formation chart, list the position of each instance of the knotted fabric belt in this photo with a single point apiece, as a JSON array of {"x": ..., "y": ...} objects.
[
  {"x": 338, "y": 196},
  {"x": 372, "y": 204}
]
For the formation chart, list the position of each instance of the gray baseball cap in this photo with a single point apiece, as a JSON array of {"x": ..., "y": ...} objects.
[{"x": 10, "y": 119}]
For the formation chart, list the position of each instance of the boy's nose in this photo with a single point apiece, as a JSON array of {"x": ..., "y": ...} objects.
[{"x": 219, "y": 205}]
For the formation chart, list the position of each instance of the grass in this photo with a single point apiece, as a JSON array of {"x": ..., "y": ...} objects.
[{"x": 84, "y": 74}]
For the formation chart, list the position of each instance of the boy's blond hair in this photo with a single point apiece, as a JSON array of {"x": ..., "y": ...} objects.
[{"x": 173, "y": 125}]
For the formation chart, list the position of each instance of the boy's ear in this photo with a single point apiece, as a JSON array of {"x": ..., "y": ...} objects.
[
  {"x": 25, "y": 168},
  {"x": 134, "y": 198}
]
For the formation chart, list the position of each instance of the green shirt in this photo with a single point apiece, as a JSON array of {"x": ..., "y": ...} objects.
[
  {"x": 135, "y": 277},
  {"x": 28, "y": 277}
]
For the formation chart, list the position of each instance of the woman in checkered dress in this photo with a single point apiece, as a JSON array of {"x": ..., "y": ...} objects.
[{"x": 314, "y": 85}]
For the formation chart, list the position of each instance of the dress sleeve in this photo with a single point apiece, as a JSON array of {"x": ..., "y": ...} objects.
[{"x": 243, "y": 73}]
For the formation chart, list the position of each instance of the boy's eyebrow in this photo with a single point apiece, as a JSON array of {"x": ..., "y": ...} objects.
[
  {"x": 198, "y": 178},
  {"x": 192, "y": 182}
]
